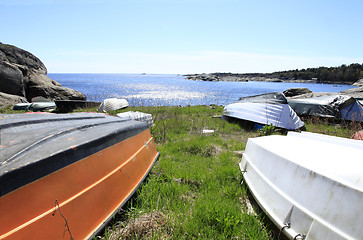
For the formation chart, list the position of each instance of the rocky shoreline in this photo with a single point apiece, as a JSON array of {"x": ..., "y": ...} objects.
[
  {"x": 356, "y": 91},
  {"x": 245, "y": 77},
  {"x": 23, "y": 76}
]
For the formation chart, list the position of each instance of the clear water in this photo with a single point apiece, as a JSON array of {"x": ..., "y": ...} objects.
[{"x": 173, "y": 90}]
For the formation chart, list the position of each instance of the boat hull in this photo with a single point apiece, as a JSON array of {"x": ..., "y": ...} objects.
[
  {"x": 267, "y": 109},
  {"x": 309, "y": 193},
  {"x": 281, "y": 116},
  {"x": 75, "y": 201}
]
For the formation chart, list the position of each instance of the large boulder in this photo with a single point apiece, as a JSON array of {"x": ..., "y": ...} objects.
[
  {"x": 23, "y": 74},
  {"x": 22, "y": 58},
  {"x": 8, "y": 99},
  {"x": 11, "y": 79}
]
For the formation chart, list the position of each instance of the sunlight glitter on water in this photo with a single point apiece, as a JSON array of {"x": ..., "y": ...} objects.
[
  {"x": 173, "y": 90},
  {"x": 168, "y": 95}
]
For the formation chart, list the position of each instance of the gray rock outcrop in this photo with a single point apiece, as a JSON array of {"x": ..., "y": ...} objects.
[
  {"x": 215, "y": 77},
  {"x": 358, "y": 83},
  {"x": 11, "y": 74},
  {"x": 353, "y": 92},
  {"x": 24, "y": 76},
  {"x": 9, "y": 99},
  {"x": 296, "y": 91},
  {"x": 313, "y": 94}
]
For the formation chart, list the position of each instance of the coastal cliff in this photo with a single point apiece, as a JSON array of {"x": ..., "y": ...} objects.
[{"x": 23, "y": 76}]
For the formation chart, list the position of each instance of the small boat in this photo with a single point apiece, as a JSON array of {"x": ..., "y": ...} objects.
[
  {"x": 111, "y": 104},
  {"x": 265, "y": 109},
  {"x": 22, "y": 106},
  {"x": 63, "y": 176},
  {"x": 331, "y": 106},
  {"x": 310, "y": 185},
  {"x": 42, "y": 106},
  {"x": 35, "y": 106}
]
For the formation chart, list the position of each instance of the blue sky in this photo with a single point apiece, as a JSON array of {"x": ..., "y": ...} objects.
[{"x": 185, "y": 36}]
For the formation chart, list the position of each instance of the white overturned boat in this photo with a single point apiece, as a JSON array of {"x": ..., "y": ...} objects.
[
  {"x": 267, "y": 109},
  {"x": 111, "y": 104},
  {"x": 310, "y": 185}
]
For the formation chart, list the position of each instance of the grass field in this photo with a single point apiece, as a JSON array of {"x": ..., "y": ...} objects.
[{"x": 194, "y": 190}]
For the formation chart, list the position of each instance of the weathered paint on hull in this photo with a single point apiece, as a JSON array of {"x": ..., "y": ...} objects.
[{"x": 75, "y": 201}]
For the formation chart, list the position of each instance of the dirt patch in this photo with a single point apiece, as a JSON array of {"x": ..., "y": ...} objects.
[
  {"x": 143, "y": 227},
  {"x": 239, "y": 153},
  {"x": 190, "y": 182},
  {"x": 210, "y": 151},
  {"x": 250, "y": 207},
  {"x": 187, "y": 197}
]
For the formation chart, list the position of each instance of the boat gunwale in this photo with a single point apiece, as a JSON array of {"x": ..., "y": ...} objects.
[
  {"x": 25, "y": 174},
  {"x": 60, "y": 117},
  {"x": 153, "y": 158}
]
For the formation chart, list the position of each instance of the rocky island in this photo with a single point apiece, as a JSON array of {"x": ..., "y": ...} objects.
[
  {"x": 344, "y": 74},
  {"x": 350, "y": 75},
  {"x": 23, "y": 76},
  {"x": 242, "y": 77}
]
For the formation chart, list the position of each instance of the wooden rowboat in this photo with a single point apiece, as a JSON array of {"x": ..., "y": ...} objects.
[
  {"x": 310, "y": 185},
  {"x": 63, "y": 176}
]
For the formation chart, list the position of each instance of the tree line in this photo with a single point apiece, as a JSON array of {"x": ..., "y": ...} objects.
[{"x": 341, "y": 74}]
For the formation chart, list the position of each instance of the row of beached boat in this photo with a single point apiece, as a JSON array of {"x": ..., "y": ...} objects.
[
  {"x": 274, "y": 109},
  {"x": 63, "y": 176},
  {"x": 310, "y": 185},
  {"x": 41, "y": 104}
]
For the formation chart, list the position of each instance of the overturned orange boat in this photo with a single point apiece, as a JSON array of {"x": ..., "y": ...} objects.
[{"x": 63, "y": 176}]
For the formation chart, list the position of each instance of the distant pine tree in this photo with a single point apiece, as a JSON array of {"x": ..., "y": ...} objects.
[{"x": 343, "y": 74}]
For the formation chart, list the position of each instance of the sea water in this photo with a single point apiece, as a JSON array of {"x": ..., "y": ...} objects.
[{"x": 173, "y": 90}]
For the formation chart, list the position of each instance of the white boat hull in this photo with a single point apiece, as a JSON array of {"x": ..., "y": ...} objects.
[
  {"x": 310, "y": 185},
  {"x": 278, "y": 115},
  {"x": 111, "y": 104}
]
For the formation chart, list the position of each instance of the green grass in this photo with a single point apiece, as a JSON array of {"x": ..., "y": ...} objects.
[
  {"x": 8, "y": 110},
  {"x": 332, "y": 127},
  {"x": 194, "y": 190},
  {"x": 196, "y": 182}
]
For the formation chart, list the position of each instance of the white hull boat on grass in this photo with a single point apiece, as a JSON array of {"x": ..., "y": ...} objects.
[
  {"x": 266, "y": 109},
  {"x": 310, "y": 185},
  {"x": 111, "y": 104}
]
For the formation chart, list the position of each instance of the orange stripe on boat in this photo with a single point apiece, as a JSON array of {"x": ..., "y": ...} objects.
[{"x": 83, "y": 194}]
